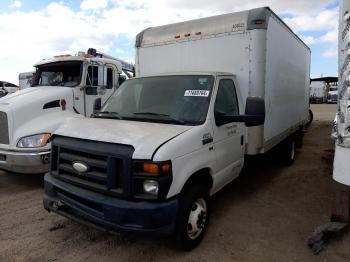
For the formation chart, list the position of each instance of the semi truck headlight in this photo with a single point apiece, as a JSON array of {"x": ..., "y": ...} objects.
[
  {"x": 151, "y": 187},
  {"x": 34, "y": 141}
]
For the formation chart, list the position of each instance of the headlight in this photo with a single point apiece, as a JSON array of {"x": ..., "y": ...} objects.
[
  {"x": 151, "y": 187},
  {"x": 34, "y": 141},
  {"x": 151, "y": 180}
]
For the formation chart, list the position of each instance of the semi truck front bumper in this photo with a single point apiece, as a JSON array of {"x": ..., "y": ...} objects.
[
  {"x": 24, "y": 162},
  {"x": 108, "y": 213}
]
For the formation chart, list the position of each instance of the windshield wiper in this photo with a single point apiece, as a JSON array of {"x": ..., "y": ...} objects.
[
  {"x": 107, "y": 114},
  {"x": 168, "y": 118}
]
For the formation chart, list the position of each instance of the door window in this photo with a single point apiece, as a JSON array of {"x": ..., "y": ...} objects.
[
  {"x": 109, "y": 78},
  {"x": 92, "y": 80},
  {"x": 226, "y": 99}
]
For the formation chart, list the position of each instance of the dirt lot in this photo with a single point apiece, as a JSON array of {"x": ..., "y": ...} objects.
[{"x": 265, "y": 215}]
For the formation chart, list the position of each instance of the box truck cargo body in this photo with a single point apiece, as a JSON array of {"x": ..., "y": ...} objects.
[
  {"x": 267, "y": 58},
  {"x": 206, "y": 93}
]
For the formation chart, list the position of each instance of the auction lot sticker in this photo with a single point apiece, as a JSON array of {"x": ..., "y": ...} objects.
[{"x": 202, "y": 93}]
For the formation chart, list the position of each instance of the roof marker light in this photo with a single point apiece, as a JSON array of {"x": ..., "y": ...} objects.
[
  {"x": 57, "y": 56},
  {"x": 177, "y": 36},
  {"x": 198, "y": 33},
  {"x": 259, "y": 21},
  {"x": 187, "y": 35}
]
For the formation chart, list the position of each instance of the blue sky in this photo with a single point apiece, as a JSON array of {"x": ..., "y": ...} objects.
[{"x": 33, "y": 30}]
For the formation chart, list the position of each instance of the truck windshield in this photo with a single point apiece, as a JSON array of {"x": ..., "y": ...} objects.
[
  {"x": 176, "y": 99},
  {"x": 58, "y": 74}
]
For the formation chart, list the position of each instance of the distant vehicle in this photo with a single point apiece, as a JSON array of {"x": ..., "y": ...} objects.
[
  {"x": 25, "y": 79},
  {"x": 332, "y": 96},
  {"x": 62, "y": 86},
  {"x": 207, "y": 92},
  {"x": 7, "y": 88},
  {"x": 318, "y": 92},
  {"x": 324, "y": 90}
]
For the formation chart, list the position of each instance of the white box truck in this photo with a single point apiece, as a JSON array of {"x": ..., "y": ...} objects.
[
  {"x": 341, "y": 169},
  {"x": 63, "y": 86},
  {"x": 207, "y": 92}
]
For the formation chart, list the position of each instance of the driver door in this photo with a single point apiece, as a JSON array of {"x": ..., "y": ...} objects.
[
  {"x": 100, "y": 83},
  {"x": 229, "y": 137}
]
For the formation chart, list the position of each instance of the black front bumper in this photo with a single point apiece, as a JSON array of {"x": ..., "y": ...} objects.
[{"x": 109, "y": 213}]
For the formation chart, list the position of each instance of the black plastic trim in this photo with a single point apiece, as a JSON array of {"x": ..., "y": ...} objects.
[{"x": 52, "y": 104}]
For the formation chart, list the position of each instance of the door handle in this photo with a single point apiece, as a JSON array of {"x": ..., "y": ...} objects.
[{"x": 242, "y": 140}]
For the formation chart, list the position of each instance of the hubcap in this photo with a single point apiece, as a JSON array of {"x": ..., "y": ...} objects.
[{"x": 197, "y": 218}]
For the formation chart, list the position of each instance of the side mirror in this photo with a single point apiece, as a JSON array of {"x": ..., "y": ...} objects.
[
  {"x": 122, "y": 79},
  {"x": 97, "y": 105},
  {"x": 254, "y": 111},
  {"x": 254, "y": 114}
]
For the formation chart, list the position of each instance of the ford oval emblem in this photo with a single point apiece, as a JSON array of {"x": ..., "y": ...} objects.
[{"x": 80, "y": 167}]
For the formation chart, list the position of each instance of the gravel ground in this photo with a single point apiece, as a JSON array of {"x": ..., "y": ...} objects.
[{"x": 265, "y": 215}]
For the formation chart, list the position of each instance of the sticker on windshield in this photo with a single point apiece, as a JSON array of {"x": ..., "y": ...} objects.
[{"x": 202, "y": 93}]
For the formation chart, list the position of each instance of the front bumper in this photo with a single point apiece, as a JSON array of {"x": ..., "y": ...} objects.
[
  {"x": 24, "y": 162},
  {"x": 109, "y": 213}
]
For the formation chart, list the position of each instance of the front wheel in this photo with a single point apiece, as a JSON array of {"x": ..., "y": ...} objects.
[{"x": 193, "y": 217}]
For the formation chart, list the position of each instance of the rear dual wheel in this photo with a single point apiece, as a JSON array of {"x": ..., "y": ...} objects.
[{"x": 288, "y": 151}]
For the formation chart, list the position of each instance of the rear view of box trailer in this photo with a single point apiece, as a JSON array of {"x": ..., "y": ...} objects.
[{"x": 267, "y": 58}]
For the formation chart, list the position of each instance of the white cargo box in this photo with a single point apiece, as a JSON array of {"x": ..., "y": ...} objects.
[{"x": 267, "y": 58}]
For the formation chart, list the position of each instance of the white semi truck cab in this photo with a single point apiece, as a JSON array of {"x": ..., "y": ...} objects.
[
  {"x": 62, "y": 86},
  {"x": 207, "y": 93}
]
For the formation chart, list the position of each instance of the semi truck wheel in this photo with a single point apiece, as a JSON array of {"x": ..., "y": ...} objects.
[{"x": 193, "y": 217}]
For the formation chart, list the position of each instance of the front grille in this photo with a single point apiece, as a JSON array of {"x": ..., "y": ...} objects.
[
  {"x": 4, "y": 131},
  {"x": 109, "y": 165}
]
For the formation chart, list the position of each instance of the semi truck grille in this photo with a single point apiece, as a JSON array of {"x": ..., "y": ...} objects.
[
  {"x": 4, "y": 131},
  {"x": 106, "y": 167}
]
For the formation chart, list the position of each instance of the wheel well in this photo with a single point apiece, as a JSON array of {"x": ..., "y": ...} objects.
[{"x": 202, "y": 177}]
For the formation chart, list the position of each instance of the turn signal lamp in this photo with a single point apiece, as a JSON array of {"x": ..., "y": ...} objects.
[
  {"x": 156, "y": 168},
  {"x": 150, "y": 168}
]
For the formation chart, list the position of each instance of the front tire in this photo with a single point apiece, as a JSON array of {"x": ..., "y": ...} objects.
[{"x": 193, "y": 217}]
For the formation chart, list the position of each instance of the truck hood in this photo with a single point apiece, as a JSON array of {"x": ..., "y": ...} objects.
[
  {"x": 27, "y": 110},
  {"x": 36, "y": 94},
  {"x": 145, "y": 137}
]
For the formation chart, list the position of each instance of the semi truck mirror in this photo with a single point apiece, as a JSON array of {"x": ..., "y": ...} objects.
[{"x": 97, "y": 105}]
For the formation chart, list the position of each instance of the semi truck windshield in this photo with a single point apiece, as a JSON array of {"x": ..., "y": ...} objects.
[
  {"x": 58, "y": 74},
  {"x": 168, "y": 99}
]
